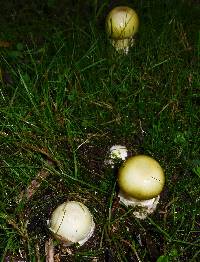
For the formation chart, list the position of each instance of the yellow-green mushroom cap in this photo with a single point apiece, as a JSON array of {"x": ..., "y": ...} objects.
[
  {"x": 141, "y": 177},
  {"x": 122, "y": 22}
]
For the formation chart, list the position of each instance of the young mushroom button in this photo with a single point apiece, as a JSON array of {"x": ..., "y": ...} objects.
[
  {"x": 121, "y": 25},
  {"x": 141, "y": 179},
  {"x": 72, "y": 222}
]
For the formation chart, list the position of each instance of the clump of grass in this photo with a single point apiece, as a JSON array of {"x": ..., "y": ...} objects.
[{"x": 66, "y": 97}]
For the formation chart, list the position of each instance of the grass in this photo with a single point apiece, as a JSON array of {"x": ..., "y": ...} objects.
[{"x": 66, "y": 97}]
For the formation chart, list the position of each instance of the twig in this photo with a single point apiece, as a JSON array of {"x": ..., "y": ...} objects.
[{"x": 49, "y": 250}]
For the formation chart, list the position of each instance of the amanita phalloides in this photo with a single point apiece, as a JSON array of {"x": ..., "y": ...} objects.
[
  {"x": 117, "y": 153},
  {"x": 141, "y": 180},
  {"x": 122, "y": 24},
  {"x": 72, "y": 222}
]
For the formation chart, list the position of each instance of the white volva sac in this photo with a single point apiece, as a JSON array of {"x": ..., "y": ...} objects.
[
  {"x": 72, "y": 222},
  {"x": 141, "y": 180},
  {"x": 121, "y": 25},
  {"x": 142, "y": 207}
]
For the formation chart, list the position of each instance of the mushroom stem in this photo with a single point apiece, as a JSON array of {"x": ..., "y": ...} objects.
[
  {"x": 122, "y": 45},
  {"x": 142, "y": 207}
]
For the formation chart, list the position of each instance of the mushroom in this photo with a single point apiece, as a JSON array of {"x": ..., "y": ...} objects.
[
  {"x": 72, "y": 222},
  {"x": 141, "y": 179},
  {"x": 122, "y": 23},
  {"x": 117, "y": 153}
]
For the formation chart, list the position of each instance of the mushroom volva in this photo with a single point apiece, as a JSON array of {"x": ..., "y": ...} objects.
[
  {"x": 122, "y": 24},
  {"x": 141, "y": 179},
  {"x": 72, "y": 222}
]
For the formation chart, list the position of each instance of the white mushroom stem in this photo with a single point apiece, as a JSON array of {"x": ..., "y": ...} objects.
[
  {"x": 143, "y": 207},
  {"x": 123, "y": 45}
]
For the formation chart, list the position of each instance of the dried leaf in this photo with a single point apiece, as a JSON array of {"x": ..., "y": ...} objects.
[{"x": 5, "y": 44}]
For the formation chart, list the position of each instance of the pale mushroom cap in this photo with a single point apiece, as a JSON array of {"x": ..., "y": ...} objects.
[
  {"x": 122, "y": 22},
  {"x": 72, "y": 222},
  {"x": 141, "y": 177},
  {"x": 118, "y": 152}
]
